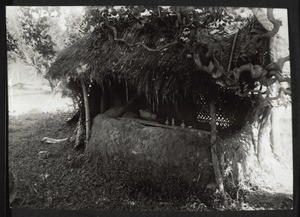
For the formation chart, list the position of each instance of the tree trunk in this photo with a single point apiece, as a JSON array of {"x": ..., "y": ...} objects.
[
  {"x": 87, "y": 113},
  {"x": 264, "y": 138},
  {"x": 50, "y": 84},
  {"x": 213, "y": 141}
]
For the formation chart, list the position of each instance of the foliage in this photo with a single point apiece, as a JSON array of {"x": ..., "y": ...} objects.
[
  {"x": 36, "y": 34},
  {"x": 11, "y": 42},
  {"x": 12, "y": 47},
  {"x": 30, "y": 38},
  {"x": 210, "y": 36},
  {"x": 205, "y": 33}
]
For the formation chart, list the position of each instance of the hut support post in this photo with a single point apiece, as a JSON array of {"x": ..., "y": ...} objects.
[
  {"x": 87, "y": 112},
  {"x": 103, "y": 102},
  {"x": 213, "y": 143}
]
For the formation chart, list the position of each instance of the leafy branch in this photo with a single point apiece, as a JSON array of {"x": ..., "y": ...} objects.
[{"x": 115, "y": 37}]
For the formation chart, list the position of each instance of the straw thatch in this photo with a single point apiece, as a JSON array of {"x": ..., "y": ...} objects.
[
  {"x": 108, "y": 60},
  {"x": 170, "y": 73}
]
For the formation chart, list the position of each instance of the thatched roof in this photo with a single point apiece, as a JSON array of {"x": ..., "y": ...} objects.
[{"x": 170, "y": 73}]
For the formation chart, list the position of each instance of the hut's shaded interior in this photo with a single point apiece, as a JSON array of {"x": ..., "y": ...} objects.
[{"x": 233, "y": 111}]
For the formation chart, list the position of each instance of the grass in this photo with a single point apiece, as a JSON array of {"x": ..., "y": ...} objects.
[{"x": 69, "y": 179}]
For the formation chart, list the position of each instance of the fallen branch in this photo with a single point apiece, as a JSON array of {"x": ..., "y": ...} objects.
[{"x": 54, "y": 141}]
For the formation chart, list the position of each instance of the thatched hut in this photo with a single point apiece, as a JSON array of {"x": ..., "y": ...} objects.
[
  {"x": 169, "y": 82},
  {"x": 164, "y": 71}
]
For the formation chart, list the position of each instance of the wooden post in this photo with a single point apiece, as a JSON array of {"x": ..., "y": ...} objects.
[
  {"x": 79, "y": 141},
  {"x": 103, "y": 102},
  {"x": 87, "y": 112},
  {"x": 213, "y": 143}
]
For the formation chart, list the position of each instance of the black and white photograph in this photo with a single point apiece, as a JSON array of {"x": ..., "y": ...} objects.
[{"x": 149, "y": 108}]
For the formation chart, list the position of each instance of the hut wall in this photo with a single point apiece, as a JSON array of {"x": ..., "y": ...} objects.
[{"x": 153, "y": 150}]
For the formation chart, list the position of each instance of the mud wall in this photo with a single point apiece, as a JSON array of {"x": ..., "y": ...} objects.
[{"x": 154, "y": 150}]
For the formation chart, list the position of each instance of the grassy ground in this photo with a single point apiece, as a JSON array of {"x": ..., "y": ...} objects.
[
  {"x": 66, "y": 179},
  {"x": 69, "y": 179}
]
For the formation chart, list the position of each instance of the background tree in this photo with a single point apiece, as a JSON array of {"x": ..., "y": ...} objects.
[{"x": 36, "y": 34}]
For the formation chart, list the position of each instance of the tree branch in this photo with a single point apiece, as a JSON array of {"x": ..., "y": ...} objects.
[
  {"x": 232, "y": 50},
  {"x": 280, "y": 94},
  {"x": 276, "y": 24},
  {"x": 282, "y": 60},
  {"x": 275, "y": 69},
  {"x": 115, "y": 37},
  {"x": 199, "y": 63},
  {"x": 282, "y": 78},
  {"x": 159, "y": 13}
]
